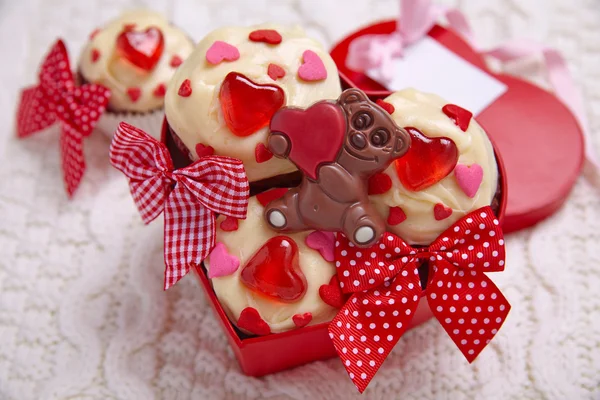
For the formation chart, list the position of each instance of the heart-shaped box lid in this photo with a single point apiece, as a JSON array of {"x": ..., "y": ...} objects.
[{"x": 540, "y": 140}]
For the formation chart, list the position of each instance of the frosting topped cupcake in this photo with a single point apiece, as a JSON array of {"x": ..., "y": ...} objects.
[
  {"x": 225, "y": 93},
  {"x": 449, "y": 171},
  {"x": 262, "y": 277},
  {"x": 135, "y": 57}
]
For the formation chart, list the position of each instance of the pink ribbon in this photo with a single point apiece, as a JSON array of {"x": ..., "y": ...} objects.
[{"x": 417, "y": 17}]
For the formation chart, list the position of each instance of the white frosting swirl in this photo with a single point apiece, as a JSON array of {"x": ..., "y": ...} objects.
[
  {"x": 118, "y": 74},
  {"x": 424, "y": 112},
  {"x": 198, "y": 118},
  {"x": 234, "y": 296}
]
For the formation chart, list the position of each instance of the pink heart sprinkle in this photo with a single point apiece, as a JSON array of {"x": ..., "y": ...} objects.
[
  {"x": 220, "y": 51},
  {"x": 312, "y": 68},
  {"x": 323, "y": 242},
  {"x": 221, "y": 262},
  {"x": 469, "y": 178}
]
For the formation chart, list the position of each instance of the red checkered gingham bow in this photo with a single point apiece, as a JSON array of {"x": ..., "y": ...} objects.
[
  {"x": 384, "y": 280},
  {"x": 189, "y": 196},
  {"x": 57, "y": 98}
]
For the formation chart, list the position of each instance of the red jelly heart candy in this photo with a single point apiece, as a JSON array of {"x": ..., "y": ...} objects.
[
  {"x": 275, "y": 272},
  {"x": 265, "y": 198},
  {"x": 332, "y": 293},
  {"x": 379, "y": 183},
  {"x": 301, "y": 320},
  {"x": 458, "y": 115},
  {"x": 246, "y": 105},
  {"x": 427, "y": 161},
  {"x": 142, "y": 49},
  {"x": 251, "y": 321}
]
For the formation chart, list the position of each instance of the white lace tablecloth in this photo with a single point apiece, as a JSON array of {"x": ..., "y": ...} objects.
[{"x": 82, "y": 313}]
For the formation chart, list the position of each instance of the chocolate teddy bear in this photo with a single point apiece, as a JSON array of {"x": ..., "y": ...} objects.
[{"x": 337, "y": 146}]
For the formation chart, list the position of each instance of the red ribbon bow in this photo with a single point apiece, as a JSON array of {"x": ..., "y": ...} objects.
[
  {"x": 189, "y": 196},
  {"x": 56, "y": 97},
  {"x": 384, "y": 280}
]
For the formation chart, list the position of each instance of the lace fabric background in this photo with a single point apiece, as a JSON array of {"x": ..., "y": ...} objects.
[{"x": 82, "y": 313}]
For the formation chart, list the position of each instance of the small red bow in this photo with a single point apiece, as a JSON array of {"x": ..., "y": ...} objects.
[
  {"x": 384, "y": 280},
  {"x": 57, "y": 98},
  {"x": 189, "y": 196}
]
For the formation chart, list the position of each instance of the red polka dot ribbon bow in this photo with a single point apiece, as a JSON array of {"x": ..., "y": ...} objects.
[
  {"x": 57, "y": 98},
  {"x": 384, "y": 280},
  {"x": 189, "y": 196}
]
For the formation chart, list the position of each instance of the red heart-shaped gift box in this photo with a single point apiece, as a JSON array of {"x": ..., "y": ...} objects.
[{"x": 261, "y": 355}]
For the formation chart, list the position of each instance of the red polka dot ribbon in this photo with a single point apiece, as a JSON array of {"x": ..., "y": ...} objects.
[
  {"x": 384, "y": 280},
  {"x": 57, "y": 98},
  {"x": 189, "y": 196}
]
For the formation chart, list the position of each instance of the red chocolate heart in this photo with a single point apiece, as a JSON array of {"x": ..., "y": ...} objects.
[
  {"x": 265, "y": 198},
  {"x": 301, "y": 320},
  {"x": 134, "y": 93},
  {"x": 175, "y": 61},
  {"x": 269, "y": 36},
  {"x": 275, "y": 71},
  {"x": 389, "y": 107},
  {"x": 274, "y": 271},
  {"x": 142, "y": 49},
  {"x": 230, "y": 224},
  {"x": 396, "y": 216},
  {"x": 262, "y": 154},
  {"x": 185, "y": 90},
  {"x": 251, "y": 321},
  {"x": 441, "y": 212},
  {"x": 332, "y": 293},
  {"x": 428, "y": 161},
  {"x": 315, "y": 134},
  {"x": 246, "y": 105},
  {"x": 160, "y": 90},
  {"x": 379, "y": 183},
  {"x": 204, "y": 151},
  {"x": 458, "y": 115},
  {"x": 95, "y": 55}
]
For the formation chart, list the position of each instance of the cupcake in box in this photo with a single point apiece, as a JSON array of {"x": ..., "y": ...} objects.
[
  {"x": 269, "y": 282},
  {"x": 449, "y": 171},
  {"x": 223, "y": 96},
  {"x": 134, "y": 56}
]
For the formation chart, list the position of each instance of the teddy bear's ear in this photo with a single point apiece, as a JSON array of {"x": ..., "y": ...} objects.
[{"x": 350, "y": 96}]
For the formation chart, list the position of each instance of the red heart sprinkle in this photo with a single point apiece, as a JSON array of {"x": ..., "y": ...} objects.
[
  {"x": 134, "y": 93},
  {"x": 274, "y": 271},
  {"x": 441, "y": 212},
  {"x": 269, "y": 36},
  {"x": 275, "y": 71},
  {"x": 94, "y": 33},
  {"x": 251, "y": 321},
  {"x": 129, "y": 27},
  {"x": 229, "y": 224},
  {"x": 185, "y": 90},
  {"x": 248, "y": 106},
  {"x": 95, "y": 55},
  {"x": 379, "y": 183},
  {"x": 142, "y": 49},
  {"x": 265, "y": 198},
  {"x": 301, "y": 320},
  {"x": 176, "y": 61},
  {"x": 332, "y": 293},
  {"x": 389, "y": 107},
  {"x": 458, "y": 115},
  {"x": 262, "y": 154},
  {"x": 204, "y": 151},
  {"x": 427, "y": 161},
  {"x": 160, "y": 90},
  {"x": 396, "y": 216}
]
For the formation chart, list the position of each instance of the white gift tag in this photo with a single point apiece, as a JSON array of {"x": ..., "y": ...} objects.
[{"x": 430, "y": 67}]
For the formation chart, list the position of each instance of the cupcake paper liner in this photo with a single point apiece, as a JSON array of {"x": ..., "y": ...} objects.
[{"x": 150, "y": 122}]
